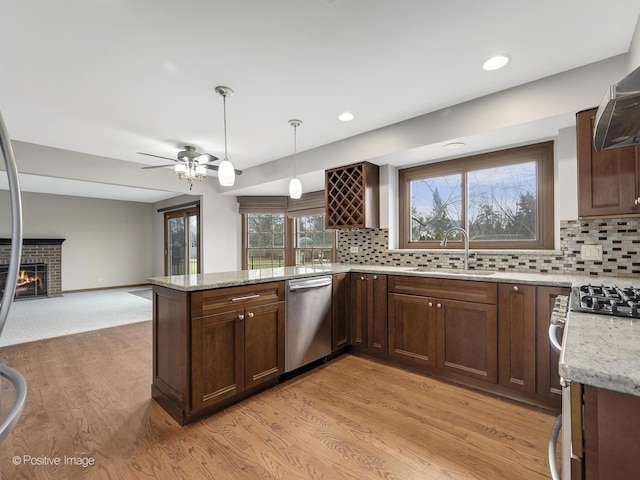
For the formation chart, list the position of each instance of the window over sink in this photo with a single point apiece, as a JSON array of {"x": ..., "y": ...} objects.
[{"x": 503, "y": 199}]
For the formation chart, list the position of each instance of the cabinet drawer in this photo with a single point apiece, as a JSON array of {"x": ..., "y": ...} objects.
[
  {"x": 464, "y": 290},
  {"x": 210, "y": 302}
]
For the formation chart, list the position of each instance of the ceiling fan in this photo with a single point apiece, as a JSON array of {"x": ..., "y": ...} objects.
[{"x": 189, "y": 164}]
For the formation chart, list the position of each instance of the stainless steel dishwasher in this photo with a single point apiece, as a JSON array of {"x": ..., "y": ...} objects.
[{"x": 307, "y": 321}]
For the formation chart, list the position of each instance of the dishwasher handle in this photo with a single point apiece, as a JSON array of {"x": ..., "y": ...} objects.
[
  {"x": 553, "y": 442},
  {"x": 311, "y": 283},
  {"x": 553, "y": 339}
]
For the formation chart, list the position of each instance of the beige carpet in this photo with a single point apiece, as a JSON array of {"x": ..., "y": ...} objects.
[{"x": 36, "y": 319}]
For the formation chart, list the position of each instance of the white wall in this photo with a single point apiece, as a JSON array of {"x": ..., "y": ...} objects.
[
  {"x": 107, "y": 241},
  {"x": 634, "y": 49},
  {"x": 219, "y": 236}
]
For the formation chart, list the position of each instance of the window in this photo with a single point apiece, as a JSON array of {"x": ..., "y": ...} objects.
[
  {"x": 265, "y": 240},
  {"x": 313, "y": 244},
  {"x": 502, "y": 199},
  {"x": 279, "y": 231}
]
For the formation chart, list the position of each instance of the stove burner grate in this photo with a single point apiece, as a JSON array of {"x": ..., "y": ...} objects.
[{"x": 607, "y": 300}]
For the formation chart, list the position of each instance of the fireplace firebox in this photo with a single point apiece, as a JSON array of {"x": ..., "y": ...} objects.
[{"x": 32, "y": 280}]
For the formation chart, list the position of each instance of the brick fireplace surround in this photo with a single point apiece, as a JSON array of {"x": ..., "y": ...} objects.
[{"x": 39, "y": 250}]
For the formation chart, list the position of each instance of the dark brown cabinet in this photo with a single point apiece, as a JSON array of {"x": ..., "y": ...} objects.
[
  {"x": 607, "y": 423},
  {"x": 212, "y": 347},
  {"x": 369, "y": 312},
  {"x": 468, "y": 339},
  {"x": 548, "y": 378},
  {"x": 352, "y": 196},
  {"x": 608, "y": 180},
  {"x": 340, "y": 299},
  {"x": 412, "y": 329},
  {"x": 517, "y": 337},
  {"x": 450, "y": 324}
]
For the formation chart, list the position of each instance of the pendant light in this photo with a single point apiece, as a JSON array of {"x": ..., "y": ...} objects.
[
  {"x": 295, "y": 186},
  {"x": 226, "y": 172}
]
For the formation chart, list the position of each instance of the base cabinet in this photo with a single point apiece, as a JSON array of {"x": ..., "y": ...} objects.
[
  {"x": 468, "y": 339},
  {"x": 611, "y": 428},
  {"x": 412, "y": 329},
  {"x": 340, "y": 298},
  {"x": 517, "y": 336},
  {"x": 447, "y": 324},
  {"x": 212, "y": 347},
  {"x": 369, "y": 313}
]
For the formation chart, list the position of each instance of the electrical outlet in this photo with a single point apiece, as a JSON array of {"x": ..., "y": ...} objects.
[
  {"x": 353, "y": 249},
  {"x": 591, "y": 252}
]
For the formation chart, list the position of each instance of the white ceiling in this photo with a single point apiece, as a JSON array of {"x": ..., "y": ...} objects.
[{"x": 115, "y": 77}]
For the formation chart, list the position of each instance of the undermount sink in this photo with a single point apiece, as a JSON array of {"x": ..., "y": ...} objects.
[{"x": 452, "y": 272}]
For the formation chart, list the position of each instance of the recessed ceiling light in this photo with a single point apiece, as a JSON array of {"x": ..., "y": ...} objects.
[
  {"x": 454, "y": 145},
  {"x": 496, "y": 62},
  {"x": 346, "y": 116}
]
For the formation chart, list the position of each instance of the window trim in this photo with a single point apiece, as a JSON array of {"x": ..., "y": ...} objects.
[{"x": 543, "y": 154}]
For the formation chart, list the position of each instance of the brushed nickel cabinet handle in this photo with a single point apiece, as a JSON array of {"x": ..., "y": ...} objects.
[
  {"x": 250, "y": 314},
  {"x": 241, "y": 317},
  {"x": 375, "y": 277},
  {"x": 248, "y": 297},
  {"x": 516, "y": 288},
  {"x": 439, "y": 305},
  {"x": 362, "y": 278},
  {"x": 430, "y": 304}
]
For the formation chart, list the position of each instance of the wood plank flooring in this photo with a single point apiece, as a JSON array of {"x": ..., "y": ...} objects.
[{"x": 352, "y": 418}]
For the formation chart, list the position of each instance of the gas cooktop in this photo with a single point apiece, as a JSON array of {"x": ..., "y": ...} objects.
[{"x": 606, "y": 300}]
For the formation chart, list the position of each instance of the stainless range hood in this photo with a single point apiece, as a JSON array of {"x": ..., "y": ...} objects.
[{"x": 618, "y": 117}]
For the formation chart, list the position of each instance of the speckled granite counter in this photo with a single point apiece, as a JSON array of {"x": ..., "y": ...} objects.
[
  {"x": 208, "y": 281},
  {"x": 599, "y": 350},
  {"x": 602, "y": 351}
]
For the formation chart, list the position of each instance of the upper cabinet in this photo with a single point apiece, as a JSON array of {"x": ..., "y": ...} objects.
[
  {"x": 609, "y": 180},
  {"x": 352, "y": 196}
]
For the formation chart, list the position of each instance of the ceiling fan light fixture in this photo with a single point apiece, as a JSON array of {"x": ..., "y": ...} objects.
[
  {"x": 226, "y": 172},
  {"x": 180, "y": 169},
  {"x": 295, "y": 185},
  {"x": 201, "y": 171}
]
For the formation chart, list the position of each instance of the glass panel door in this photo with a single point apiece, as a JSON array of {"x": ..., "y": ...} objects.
[{"x": 182, "y": 248}]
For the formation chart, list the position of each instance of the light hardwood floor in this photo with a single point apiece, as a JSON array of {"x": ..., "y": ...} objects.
[{"x": 352, "y": 418}]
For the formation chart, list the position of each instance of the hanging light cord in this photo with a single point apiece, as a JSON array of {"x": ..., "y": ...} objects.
[
  {"x": 224, "y": 108},
  {"x": 295, "y": 151}
]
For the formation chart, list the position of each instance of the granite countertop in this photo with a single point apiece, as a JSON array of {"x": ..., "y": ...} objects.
[
  {"x": 599, "y": 350},
  {"x": 207, "y": 281}
]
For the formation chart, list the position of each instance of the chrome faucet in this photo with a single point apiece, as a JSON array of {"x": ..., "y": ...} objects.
[{"x": 443, "y": 243}]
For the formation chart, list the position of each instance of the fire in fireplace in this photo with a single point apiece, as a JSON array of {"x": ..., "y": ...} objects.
[{"x": 32, "y": 280}]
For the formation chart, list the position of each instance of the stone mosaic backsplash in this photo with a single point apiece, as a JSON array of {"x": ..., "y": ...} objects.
[{"x": 619, "y": 238}]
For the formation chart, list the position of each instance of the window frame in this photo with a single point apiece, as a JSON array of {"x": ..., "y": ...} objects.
[
  {"x": 289, "y": 239},
  {"x": 542, "y": 153}
]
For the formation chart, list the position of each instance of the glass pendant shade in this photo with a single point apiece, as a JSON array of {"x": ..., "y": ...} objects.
[
  {"x": 226, "y": 173},
  {"x": 180, "y": 168},
  {"x": 295, "y": 188},
  {"x": 201, "y": 171}
]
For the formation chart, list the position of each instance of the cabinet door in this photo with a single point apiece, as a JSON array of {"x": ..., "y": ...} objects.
[
  {"x": 467, "y": 339},
  {"x": 412, "y": 329},
  {"x": 607, "y": 180},
  {"x": 340, "y": 310},
  {"x": 547, "y": 358},
  {"x": 263, "y": 343},
  {"x": 358, "y": 310},
  {"x": 217, "y": 358},
  {"x": 517, "y": 337},
  {"x": 377, "y": 312}
]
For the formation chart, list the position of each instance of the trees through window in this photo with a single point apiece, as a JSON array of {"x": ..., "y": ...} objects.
[{"x": 503, "y": 200}]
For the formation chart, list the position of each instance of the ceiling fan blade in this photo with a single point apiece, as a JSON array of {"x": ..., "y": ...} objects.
[
  {"x": 210, "y": 167},
  {"x": 157, "y": 156},
  {"x": 157, "y": 166},
  {"x": 206, "y": 158}
]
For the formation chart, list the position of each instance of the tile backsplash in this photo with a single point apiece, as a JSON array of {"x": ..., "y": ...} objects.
[{"x": 619, "y": 238}]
